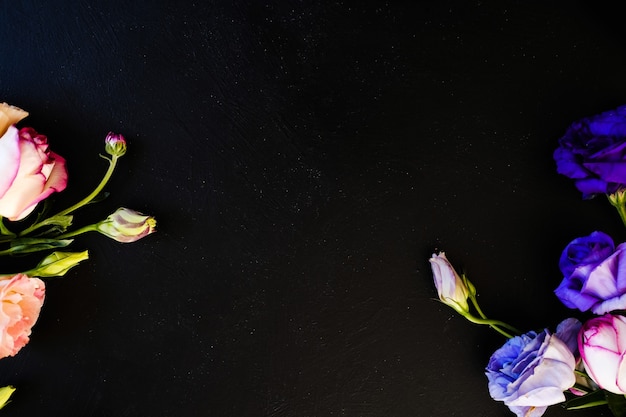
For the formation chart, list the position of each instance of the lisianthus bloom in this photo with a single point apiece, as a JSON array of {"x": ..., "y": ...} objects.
[
  {"x": 531, "y": 371},
  {"x": 594, "y": 274},
  {"x": 21, "y": 300},
  {"x": 602, "y": 345},
  {"x": 450, "y": 287},
  {"x": 29, "y": 172},
  {"x": 593, "y": 153},
  {"x": 126, "y": 225}
]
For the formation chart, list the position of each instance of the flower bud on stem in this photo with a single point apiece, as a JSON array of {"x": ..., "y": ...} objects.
[
  {"x": 496, "y": 325},
  {"x": 618, "y": 200},
  {"x": 455, "y": 290}
]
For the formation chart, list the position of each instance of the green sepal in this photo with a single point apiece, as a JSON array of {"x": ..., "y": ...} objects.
[
  {"x": 5, "y": 394},
  {"x": 57, "y": 264}
]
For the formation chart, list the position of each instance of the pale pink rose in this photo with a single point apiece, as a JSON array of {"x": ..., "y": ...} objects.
[
  {"x": 21, "y": 299},
  {"x": 29, "y": 172}
]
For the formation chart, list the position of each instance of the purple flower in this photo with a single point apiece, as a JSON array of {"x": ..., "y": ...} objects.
[
  {"x": 530, "y": 372},
  {"x": 451, "y": 289},
  {"x": 593, "y": 153},
  {"x": 594, "y": 274}
]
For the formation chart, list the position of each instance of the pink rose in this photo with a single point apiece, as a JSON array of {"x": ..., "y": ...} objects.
[
  {"x": 602, "y": 346},
  {"x": 21, "y": 298},
  {"x": 29, "y": 172}
]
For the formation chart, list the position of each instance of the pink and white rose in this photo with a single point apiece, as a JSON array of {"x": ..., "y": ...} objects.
[
  {"x": 21, "y": 298},
  {"x": 602, "y": 346},
  {"x": 29, "y": 171}
]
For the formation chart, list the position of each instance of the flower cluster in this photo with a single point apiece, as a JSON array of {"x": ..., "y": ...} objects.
[
  {"x": 580, "y": 364},
  {"x": 29, "y": 174}
]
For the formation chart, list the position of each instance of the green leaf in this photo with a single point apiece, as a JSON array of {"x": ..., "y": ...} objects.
[
  {"x": 29, "y": 245},
  {"x": 593, "y": 399},
  {"x": 617, "y": 404}
]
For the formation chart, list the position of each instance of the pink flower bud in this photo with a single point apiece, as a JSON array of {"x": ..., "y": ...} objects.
[
  {"x": 126, "y": 225},
  {"x": 115, "y": 144}
]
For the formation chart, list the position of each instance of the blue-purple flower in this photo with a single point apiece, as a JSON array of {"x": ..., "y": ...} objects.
[
  {"x": 594, "y": 273},
  {"x": 531, "y": 372},
  {"x": 593, "y": 153}
]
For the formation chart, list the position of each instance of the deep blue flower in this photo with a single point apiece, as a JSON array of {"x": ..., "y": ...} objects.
[
  {"x": 594, "y": 274},
  {"x": 593, "y": 153}
]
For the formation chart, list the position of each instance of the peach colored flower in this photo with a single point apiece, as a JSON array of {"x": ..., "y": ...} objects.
[
  {"x": 9, "y": 115},
  {"x": 21, "y": 298},
  {"x": 29, "y": 171}
]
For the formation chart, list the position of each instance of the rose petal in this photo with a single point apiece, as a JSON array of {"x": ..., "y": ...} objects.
[{"x": 9, "y": 159}]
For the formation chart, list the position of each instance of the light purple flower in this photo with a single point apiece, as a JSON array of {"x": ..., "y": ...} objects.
[
  {"x": 531, "y": 371},
  {"x": 450, "y": 287}
]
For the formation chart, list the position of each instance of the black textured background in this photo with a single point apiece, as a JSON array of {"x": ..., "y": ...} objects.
[{"x": 304, "y": 159}]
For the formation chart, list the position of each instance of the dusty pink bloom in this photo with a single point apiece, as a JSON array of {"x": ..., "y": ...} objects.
[
  {"x": 29, "y": 172},
  {"x": 21, "y": 299}
]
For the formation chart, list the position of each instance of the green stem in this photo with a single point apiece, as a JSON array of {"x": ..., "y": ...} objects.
[
  {"x": 589, "y": 405},
  {"x": 85, "y": 229},
  {"x": 4, "y": 230},
  {"x": 476, "y": 306},
  {"x": 84, "y": 201},
  {"x": 622, "y": 213},
  {"x": 94, "y": 193},
  {"x": 484, "y": 317},
  {"x": 494, "y": 324}
]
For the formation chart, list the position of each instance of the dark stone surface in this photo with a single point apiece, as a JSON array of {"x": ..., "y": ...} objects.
[{"x": 304, "y": 158}]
